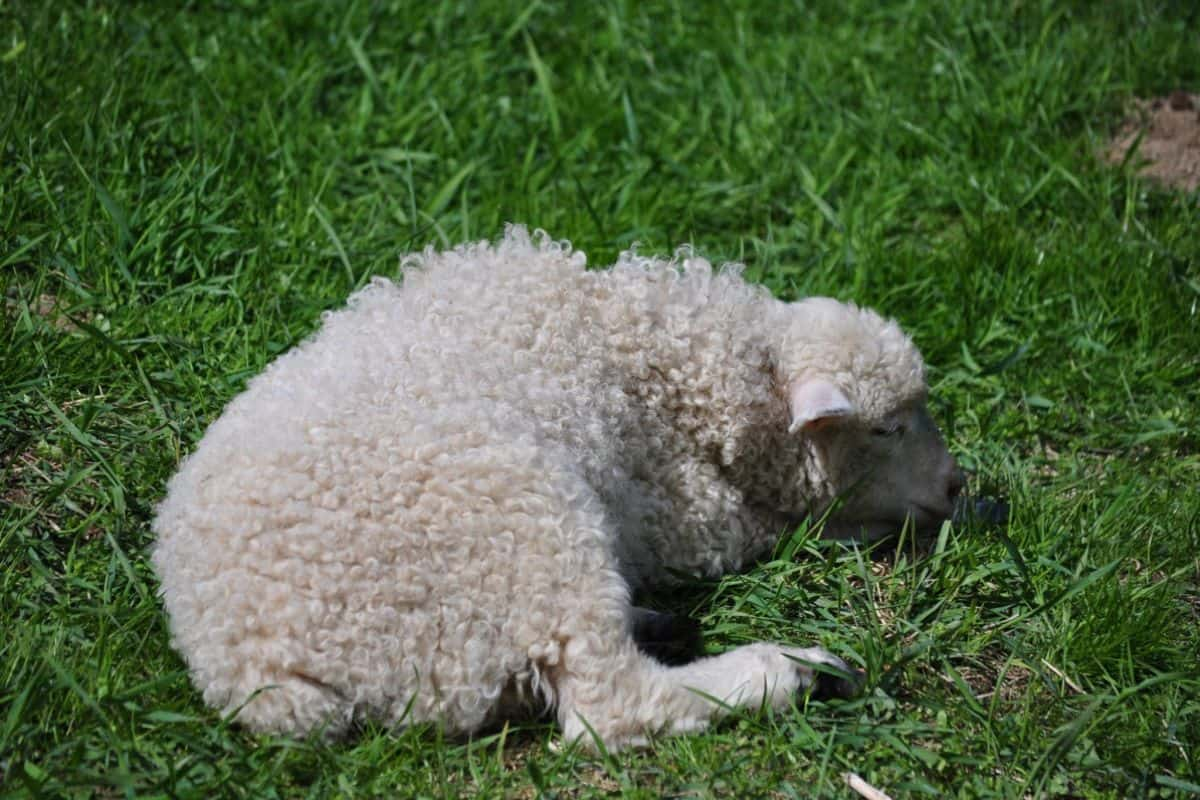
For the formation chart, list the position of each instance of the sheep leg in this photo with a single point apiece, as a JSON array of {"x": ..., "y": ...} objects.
[
  {"x": 605, "y": 689},
  {"x": 623, "y": 697}
]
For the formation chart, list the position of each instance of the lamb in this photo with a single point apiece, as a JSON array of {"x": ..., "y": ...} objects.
[{"x": 438, "y": 508}]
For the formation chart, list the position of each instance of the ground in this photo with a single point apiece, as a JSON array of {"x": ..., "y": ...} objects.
[
  {"x": 184, "y": 188},
  {"x": 1161, "y": 139}
]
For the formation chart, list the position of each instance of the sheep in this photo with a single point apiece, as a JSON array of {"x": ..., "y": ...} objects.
[{"x": 437, "y": 509}]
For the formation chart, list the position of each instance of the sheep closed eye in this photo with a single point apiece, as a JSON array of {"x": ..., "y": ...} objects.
[{"x": 894, "y": 429}]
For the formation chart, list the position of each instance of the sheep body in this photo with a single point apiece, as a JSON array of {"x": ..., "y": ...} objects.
[{"x": 437, "y": 508}]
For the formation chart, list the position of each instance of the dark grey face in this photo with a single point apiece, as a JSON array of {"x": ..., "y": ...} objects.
[{"x": 888, "y": 471}]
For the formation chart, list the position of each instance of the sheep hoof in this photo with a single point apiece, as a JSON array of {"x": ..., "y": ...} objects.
[
  {"x": 987, "y": 511},
  {"x": 828, "y": 686}
]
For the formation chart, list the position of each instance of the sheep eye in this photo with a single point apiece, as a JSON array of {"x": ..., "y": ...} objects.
[{"x": 891, "y": 429}]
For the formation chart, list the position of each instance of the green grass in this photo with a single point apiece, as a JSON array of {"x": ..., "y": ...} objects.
[{"x": 184, "y": 189}]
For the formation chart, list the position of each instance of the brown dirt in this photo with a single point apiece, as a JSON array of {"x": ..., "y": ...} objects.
[
  {"x": 1169, "y": 150},
  {"x": 993, "y": 674},
  {"x": 46, "y": 306}
]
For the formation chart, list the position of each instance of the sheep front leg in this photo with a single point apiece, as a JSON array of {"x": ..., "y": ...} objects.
[{"x": 624, "y": 697}]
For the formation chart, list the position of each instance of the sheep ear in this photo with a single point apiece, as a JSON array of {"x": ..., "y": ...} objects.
[{"x": 816, "y": 402}]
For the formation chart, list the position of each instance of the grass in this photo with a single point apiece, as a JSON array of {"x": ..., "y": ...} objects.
[{"x": 185, "y": 187}]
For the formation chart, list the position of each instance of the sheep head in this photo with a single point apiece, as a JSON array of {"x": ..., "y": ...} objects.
[{"x": 870, "y": 454}]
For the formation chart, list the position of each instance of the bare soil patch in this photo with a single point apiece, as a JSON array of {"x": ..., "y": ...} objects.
[
  {"x": 46, "y": 306},
  {"x": 1166, "y": 134}
]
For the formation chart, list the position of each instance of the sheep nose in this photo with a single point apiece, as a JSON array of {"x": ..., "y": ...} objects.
[{"x": 957, "y": 482}]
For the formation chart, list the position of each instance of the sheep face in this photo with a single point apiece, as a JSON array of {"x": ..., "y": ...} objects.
[
  {"x": 884, "y": 470},
  {"x": 855, "y": 386}
]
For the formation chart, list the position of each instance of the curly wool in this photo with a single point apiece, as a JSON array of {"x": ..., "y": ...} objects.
[{"x": 437, "y": 508}]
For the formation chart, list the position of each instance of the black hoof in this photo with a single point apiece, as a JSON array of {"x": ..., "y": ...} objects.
[
  {"x": 985, "y": 511},
  {"x": 827, "y": 685}
]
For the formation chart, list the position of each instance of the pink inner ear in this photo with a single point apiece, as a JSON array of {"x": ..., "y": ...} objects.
[
  {"x": 815, "y": 403},
  {"x": 821, "y": 422}
]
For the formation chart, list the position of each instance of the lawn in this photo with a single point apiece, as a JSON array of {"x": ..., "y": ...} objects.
[{"x": 185, "y": 187}]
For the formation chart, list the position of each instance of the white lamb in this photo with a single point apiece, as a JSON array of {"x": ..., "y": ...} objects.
[{"x": 438, "y": 508}]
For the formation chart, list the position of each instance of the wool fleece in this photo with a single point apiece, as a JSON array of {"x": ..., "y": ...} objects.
[{"x": 438, "y": 507}]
